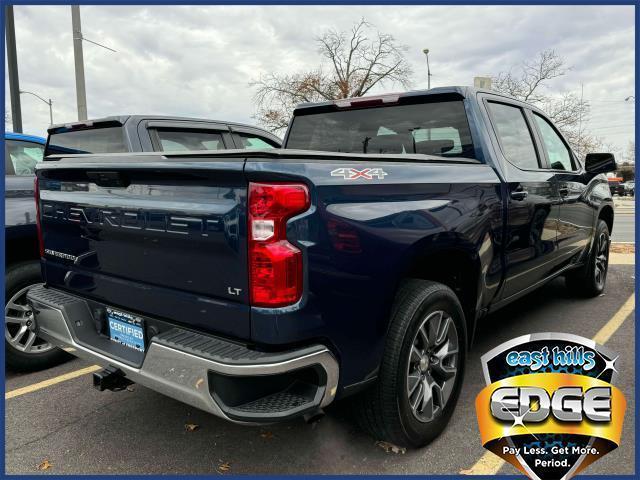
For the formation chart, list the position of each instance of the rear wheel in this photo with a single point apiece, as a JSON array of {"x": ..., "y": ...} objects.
[
  {"x": 422, "y": 369},
  {"x": 24, "y": 350},
  {"x": 590, "y": 280}
]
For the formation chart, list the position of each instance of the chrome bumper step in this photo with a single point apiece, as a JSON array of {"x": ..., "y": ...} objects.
[{"x": 200, "y": 369}]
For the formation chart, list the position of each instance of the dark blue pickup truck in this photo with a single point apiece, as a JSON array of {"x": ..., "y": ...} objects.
[{"x": 262, "y": 285}]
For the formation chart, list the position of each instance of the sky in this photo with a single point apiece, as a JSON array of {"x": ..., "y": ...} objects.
[{"x": 199, "y": 61}]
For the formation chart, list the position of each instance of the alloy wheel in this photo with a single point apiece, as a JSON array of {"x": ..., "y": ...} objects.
[
  {"x": 432, "y": 366},
  {"x": 19, "y": 326},
  {"x": 602, "y": 259}
]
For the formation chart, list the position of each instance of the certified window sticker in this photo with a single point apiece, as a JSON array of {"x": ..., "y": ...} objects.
[{"x": 550, "y": 406}]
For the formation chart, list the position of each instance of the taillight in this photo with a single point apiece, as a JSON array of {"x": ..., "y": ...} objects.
[
  {"x": 36, "y": 194},
  {"x": 275, "y": 265}
]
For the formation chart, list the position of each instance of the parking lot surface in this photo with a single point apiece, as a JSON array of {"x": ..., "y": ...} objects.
[{"x": 79, "y": 430}]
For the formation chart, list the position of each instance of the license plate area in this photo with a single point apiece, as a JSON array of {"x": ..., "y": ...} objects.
[{"x": 126, "y": 329}]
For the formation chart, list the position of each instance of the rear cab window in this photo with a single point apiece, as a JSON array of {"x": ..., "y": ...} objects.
[
  {"x": 180, "y": 140},
  {"x": 430, "y": 127},
  {"x": 87, "y": 140}
]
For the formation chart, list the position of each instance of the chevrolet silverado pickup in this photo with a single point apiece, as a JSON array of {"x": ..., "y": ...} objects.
[
  {"x": 24, "y": 350},
  {"x": 356, "y": 261}
]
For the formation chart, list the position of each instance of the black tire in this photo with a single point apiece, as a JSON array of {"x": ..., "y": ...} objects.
[
  {"x": 17, "y": 278},
  {"x": 384, "y": 410},
  {"x": 586, "y": 281}
]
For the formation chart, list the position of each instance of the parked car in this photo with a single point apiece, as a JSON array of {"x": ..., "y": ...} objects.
[
  {"x": 630, "y": 188},
  {"x": 23, "y": 349},
  {"x": 616, "y": 187},
  {"x": 263, "y": 285},
  {"x": 134, "y": 133}
]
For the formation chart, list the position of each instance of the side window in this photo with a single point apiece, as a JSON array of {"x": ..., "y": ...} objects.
[
  {"x": 24, "y": 156},
  {"x": 184, "y": 140},
  {"x": 514, "y": 135},
  {"x": 558, "y": 153},
  {"x": 253, "y": 142}
]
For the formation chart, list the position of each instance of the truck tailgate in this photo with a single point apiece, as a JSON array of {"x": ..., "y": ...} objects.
[{"x": 149, "y": 235}]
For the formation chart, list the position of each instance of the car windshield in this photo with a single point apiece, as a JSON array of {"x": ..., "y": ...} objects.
[{"x": 439, "y": 128}]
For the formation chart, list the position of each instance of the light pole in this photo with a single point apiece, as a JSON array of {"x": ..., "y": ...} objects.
[
  {"x": 50, "y": 103},
  {"x": 426, "y": 54}
]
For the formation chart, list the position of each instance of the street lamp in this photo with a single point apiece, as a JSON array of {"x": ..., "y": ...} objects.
[
  {"x": 426, "y": 54},
  {"x": 50, "y": 103}
]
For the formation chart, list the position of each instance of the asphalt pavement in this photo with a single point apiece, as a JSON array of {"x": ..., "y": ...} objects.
[{"x": 79, "y": 430}]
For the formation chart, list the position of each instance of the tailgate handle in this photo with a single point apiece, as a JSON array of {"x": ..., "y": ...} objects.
[{"x": 108, "y": 179}]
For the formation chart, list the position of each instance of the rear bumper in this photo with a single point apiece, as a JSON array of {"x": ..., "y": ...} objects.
[{"x": 212, "y": 374}]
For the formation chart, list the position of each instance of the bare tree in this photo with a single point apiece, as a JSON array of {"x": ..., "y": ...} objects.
[
  {"x": 568, "y": 111},
  {"x": 630, "y": 155},
  {"x": 352, "y": 63}
]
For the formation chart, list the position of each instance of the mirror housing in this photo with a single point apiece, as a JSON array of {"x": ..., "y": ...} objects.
[{"x": 596, "y": 163}]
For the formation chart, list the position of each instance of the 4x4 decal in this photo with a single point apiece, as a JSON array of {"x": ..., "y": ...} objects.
[{"x": 353, "y": 174}]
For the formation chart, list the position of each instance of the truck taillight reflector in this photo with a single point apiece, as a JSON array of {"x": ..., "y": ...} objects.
[
  {"x": 275, "y": 265},
  {"x": 36, "y": 194}
]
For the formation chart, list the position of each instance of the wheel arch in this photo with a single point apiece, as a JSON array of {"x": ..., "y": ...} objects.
[
  {"x": 21, "y": 244},
  {"x": 606, "y": 214},
  {"x": 457, "y": 267}
]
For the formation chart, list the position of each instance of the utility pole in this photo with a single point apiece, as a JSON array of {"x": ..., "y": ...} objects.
[
  {"x": 12, "y": 63},
  {"x": 81, "y": 93}
]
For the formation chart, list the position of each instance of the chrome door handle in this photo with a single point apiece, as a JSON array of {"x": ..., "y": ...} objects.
[{"x": 519, "y": 194}]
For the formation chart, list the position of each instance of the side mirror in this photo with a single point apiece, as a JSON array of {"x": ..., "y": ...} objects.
[{"x": 596, "y": 163}]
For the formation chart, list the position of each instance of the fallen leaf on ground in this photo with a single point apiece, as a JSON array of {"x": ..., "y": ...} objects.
[
  {"x": 191, "y": 427},
  {"x": 267, "y": 435},
  {"x": 391, "y": 448},
  {"x": 45, "y": 465},
  {"x": 224, "y": 467}
]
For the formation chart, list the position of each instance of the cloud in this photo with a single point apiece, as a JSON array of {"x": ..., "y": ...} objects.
[{"x": 198, "y": 61}]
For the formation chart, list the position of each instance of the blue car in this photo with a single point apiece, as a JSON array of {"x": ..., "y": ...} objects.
[{"x": 22, "y": 152}]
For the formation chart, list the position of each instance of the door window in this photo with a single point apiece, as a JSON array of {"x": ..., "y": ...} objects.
[
  {"x": 24, "y": 156},
  {"x": 558, "y": 153},
  {"x": 514, "y": 135},
  {"x": 253, "y": 142}
]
